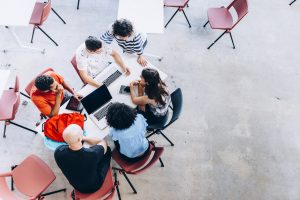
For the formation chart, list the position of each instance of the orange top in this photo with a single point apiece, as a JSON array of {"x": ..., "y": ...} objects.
[{"x": 45, "y": 101}]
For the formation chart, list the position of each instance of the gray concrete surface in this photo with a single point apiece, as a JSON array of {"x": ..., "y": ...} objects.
[{"x": 238, "y": 136}]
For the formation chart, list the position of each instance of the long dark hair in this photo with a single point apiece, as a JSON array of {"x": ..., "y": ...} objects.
[{"x": 155, "y": 88}]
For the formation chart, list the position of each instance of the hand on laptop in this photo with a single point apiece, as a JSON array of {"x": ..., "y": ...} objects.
[{"x": 78, "y": 96}]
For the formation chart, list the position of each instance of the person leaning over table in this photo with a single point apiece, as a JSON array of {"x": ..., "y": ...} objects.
[
  {"x": 153, "y": 97},
  {"x": 128, "y": 38},
  {"x": 48, "y": 93},
  {"x": 92, "y": 57},
  {"x": 85, "y": 168},
  {"x": 127, "y": 130}
]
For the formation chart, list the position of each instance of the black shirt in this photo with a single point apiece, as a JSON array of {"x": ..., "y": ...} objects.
[{"x": 86, "y": 168}]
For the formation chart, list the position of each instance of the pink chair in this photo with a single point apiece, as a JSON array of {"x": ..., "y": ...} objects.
[
  {"x": 180, "y": 5},
  {"x": 292, "y": 2},
  {"x": 74, "y": 64},
  {"x": 39, "y": 15},
  {"x": 137, "y": 167},
  {"x": 31, "y": 178},
  {"x": 221, "y": 18},
  {"x": 9, "y": 104},
  {"x": 106, "y": 191}
]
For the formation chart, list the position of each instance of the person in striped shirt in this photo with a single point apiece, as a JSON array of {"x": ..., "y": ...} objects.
[{"x": 128, "y": 38}]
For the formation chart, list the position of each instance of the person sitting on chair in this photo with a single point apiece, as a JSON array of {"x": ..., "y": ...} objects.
[
  {"x": 127, "y": 131},
  {"x": 85, "y": 168},
  {"x": 153, "y": 98},
  {"x": 48, "y": 93},
  {"x": 128, "y": 38},
  {"x": 92, "y": 57}
]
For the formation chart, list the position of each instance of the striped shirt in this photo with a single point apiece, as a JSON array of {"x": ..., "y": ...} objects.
[{"x": 134, "y": 44}]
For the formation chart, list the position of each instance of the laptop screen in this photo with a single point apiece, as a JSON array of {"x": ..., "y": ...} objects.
[{"x": 96, "y": 99}]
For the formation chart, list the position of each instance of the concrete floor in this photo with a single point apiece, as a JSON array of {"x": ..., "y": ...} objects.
[{"x": 238, "y": 136}]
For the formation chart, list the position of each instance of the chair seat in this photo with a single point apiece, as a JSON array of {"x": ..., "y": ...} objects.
[
  {"x": 36, "y": 17},
  {"x": 5, "y": 192},
  {"x": 106, "y": 189},
  {"x": 6, "y": 104},
  {"x": 220, "y": 18},
  {"x": 175, "y": 3}
]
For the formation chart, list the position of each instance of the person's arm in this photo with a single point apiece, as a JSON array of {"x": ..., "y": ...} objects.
[
  {"x": 58, "y": 101},
  {"x": 138, "y": 100},
  {"x": 139, "y": 48},
  {"x": 71, "y": 90},
  {"x": 88, "y": 79},
  {"x": 95, "y": 141},
  {"x": 120, "y": 62}
]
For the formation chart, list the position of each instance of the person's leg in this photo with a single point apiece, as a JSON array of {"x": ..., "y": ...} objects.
[{"x": 67, "y": 97}]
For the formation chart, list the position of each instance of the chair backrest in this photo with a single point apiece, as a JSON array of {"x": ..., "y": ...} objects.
[
  {"x": 46, "y": 11},
  {"x": 241, "y": 8},
  {"x": 140, "y": 166},
  {"x": 74, "y": 64},
  {"x": 31, "y": 83},
  {"x": 32, "y": 176},
  {"x": 176, "y": 98},
  {"x": 107, "y": 190}
]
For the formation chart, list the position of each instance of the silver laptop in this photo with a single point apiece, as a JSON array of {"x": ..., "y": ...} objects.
[
  {"x": 96, "y": 105},
  {"x": 109, "y": 75}
]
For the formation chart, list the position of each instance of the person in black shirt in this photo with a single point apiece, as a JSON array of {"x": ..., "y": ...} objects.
[{"x": 85, "y": 168}]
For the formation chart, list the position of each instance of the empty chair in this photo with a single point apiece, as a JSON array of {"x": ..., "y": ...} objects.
[
  {"x": 106, "y": 191},
  {"x": 221, "y": 18},
  {"x": 292, "y": 2},
  {"x": 39, "y": 15},
  {"x": 180, "y": 5},
  {"x": 176, "y": 98},
  {"x": 9, "y": 104},
  {"x": 31, "y": 178},
  {"x": 74, "y": 64},
  {"x": 135, "y": 168}
]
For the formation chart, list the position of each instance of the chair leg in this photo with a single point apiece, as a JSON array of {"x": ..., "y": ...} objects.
[
  {"x": 23, "y": 127},
  {"x": 161, "y": 162},
  {"x": 127, "y": 179},
  {"x": 186, "y": 18},
  {"x": 54, "y": 192},
  {"x": 216, "y": 39},
  {"x": 172, "y": 18},
  {"x": 78, "y": 4},
  {"x": 205, "y": 24},
  {"x": 231, "y": 40},
  {"x": 25, "y": 95},
  {"x": 4, "y": 131},
  {"x": 47, "y": 35},
  {"x": 32, "y": 34},
  {"x": 58, "y": 16},
  {"x": 151, "y": 134},
  {"x": 166, "y": 138},
  {"x": 12, "y": 180},
  {"x": 117, "y": 184},
  {"x": 292, "y": 2}
]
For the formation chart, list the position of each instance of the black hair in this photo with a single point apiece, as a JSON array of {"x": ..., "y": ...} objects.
[
  {"x": 122, "y": 27},
  {"x": 120, "y": 116},
  {"x": 155, "y": 88},
  {"x": 43, "y": 82},
  {"x": 93, "y": 43}
]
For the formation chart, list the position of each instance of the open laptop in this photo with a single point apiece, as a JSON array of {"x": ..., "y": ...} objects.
[
  {"x": 109, "y": 75},
  {"x": 96, "y": 105}
]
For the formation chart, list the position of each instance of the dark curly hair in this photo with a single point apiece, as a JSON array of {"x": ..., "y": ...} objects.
[
  {"x": 122, "y": 27},
  {"x": 120, "y": 116},
  {"x": 155, "y": 88},
  {"x": 92, "y": 43},
  {"x": 43, "y": 82}
]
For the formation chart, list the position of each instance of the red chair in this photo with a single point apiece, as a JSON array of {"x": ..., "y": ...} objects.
[
  {"x": 292, "y": 2},
  {"x": 137, "y": 167},
  {"x": 39, "y": 15},
  {"x": 74, "y": 64},
  {"x": 106, "y": 191},
  {"x": 221, "y": 18},
  {"x": 180, "y": 5},
  {"x": 9, "y": 104},
  {"x": 31, "y": 178}
]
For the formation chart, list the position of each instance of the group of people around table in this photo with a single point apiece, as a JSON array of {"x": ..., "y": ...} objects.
[{"x": 86, "y": 168}]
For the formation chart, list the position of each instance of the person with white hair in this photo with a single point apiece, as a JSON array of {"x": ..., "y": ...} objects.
[{"x": 85, "y": 168}]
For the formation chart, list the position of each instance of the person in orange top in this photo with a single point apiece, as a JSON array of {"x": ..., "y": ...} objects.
[{"x": 48, "y": 93}]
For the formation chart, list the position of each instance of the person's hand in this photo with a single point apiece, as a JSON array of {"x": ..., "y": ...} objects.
[
  {"x": 126, "y": 71},
  {"x": 142, "y": 61},
  {"x": 133, "y": 83},
  {"x": 59, "y": 90},
  {"x": 77, "y": 96}
]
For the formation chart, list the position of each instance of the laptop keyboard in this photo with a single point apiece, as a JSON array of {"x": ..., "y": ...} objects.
[
  {"x": 102, "y": 112},
  {"x": 112, "y": 78}
]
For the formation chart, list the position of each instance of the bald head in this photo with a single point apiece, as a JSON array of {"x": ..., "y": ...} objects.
[{"x": 72, "y": 134}]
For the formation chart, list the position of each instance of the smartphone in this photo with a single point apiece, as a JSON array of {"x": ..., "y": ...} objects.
[{"x": 124, "y": 89}]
